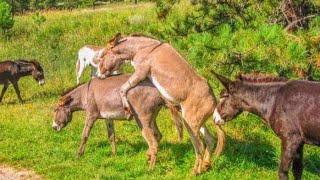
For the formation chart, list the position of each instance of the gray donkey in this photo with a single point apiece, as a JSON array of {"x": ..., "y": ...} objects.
[{"x": 101, "y": 99}]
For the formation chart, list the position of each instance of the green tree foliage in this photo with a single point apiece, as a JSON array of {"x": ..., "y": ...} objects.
[
  {"x": 234, "y": 36},
  {"x": 6, "y": 20}
]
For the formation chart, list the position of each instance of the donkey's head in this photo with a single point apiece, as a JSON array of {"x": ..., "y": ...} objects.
[
  {"x": 109, "y": 60},
  {"x": 230, "y": 103},
  {"x": 63, "y": 114},
  {"x": 37, "y": 72}
]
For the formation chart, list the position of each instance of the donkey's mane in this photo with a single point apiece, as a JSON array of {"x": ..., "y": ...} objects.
[
  {"x": 71, "y": 89},
  {"x": 33, "y": 62},
  {"x": 259, "y": 78}
]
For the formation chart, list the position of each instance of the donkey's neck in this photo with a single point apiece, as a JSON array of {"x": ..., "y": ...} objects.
[
  {"x": 260, "y": 98},
  {"x": 25, "y": 69},
  {"x": 78, "y": 98}
]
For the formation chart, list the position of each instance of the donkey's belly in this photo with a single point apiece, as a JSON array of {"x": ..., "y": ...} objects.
[
  {"x": 161, "y": 89},
  {"x": 112, "y": 115}
]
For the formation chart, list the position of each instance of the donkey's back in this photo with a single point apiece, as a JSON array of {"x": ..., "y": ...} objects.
[
  {"x": 299, "y": 101},
  {"x": 144, "y": 99}
]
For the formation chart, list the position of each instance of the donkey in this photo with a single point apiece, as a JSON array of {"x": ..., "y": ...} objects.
[
  {"x": 101, "y": 99},
  {"x": 176, "y": 80},
  {"x": 291, "y": 108},
  {"x": 87, "y": 56},
  {"x": 12, "y": 71}
]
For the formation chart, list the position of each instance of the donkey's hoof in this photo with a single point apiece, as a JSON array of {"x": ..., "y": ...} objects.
[
  {"x": 196, "y": 172},
  {"x": 78, "y": 157},
  {"x": 206, "y": 166}
]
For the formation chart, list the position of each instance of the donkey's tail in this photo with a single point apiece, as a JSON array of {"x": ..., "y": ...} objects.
[
  {"x": 220, "y": 143},
  {"x": 176, "y": 117}
]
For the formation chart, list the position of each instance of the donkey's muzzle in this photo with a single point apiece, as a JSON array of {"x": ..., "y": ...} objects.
[
  {"x": 56, "y": 127},
  {"x": 41, "y": 82},
  {"x": 217, "y": 118}
]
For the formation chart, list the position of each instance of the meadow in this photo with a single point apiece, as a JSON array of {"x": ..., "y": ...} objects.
[{"x": 27, "y": 141}]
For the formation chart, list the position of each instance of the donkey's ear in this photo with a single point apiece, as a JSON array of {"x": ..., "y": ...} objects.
[
  {"x": 115, "y": 40},
  {"x": 227, "y": 83},
  {"x": 63, "y": 101}
]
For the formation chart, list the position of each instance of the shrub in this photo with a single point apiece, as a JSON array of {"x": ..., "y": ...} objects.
[{"x": 6, "y": 20}]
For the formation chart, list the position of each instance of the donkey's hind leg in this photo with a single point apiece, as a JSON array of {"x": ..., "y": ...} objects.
[
  {"x": 148, "y": 134},
  {"x": 209, "y": 140},
  {"x": 111, "y": 136},
  {"x": 16, "y": 88},
  {"x": 5, "y": 87},
  {"x": 289, "y": 149},
  {"x": 197, "y": 145}
]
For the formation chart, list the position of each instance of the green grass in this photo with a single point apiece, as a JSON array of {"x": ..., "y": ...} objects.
[{"x": 252, "y": 150}]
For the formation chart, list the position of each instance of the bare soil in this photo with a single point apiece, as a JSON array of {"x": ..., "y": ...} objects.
[{"x": 8, "y": 173}]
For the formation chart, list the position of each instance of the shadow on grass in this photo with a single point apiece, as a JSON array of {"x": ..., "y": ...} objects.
[
  {"x": 257, "y": 151},
  {"x": 242, "y": 152},
  {"x": 312, "y": 164}
]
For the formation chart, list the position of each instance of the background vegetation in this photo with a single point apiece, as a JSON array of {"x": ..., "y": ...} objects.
[{"x": 228, "y": 36}]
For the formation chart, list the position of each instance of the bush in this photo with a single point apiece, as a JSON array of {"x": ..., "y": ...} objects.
[{"x": 6, "y": 20}]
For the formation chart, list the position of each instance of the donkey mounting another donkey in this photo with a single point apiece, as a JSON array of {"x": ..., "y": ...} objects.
[{"x": 176, "y": 80}]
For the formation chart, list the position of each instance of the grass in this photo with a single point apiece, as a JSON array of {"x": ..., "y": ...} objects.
[{"x": 252, "y": 150}]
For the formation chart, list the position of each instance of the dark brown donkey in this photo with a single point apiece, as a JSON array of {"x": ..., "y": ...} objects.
[
  {"x": 176, "y": 80},
  {"x": 101, "y": 99},
  {"x": 12, "y": 71},
  {"x": 291, "y": 108}
]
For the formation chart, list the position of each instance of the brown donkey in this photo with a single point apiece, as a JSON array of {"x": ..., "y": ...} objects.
[
  {"x": 291, "y": 108},
  {"x": 12, "y": 71},
  {"x": 101, "y": 99},
  {"x": 174, "y": 78}
]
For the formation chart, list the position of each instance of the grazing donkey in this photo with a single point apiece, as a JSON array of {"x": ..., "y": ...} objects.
[
  {"x": 174, "y": 78},
  {"x": 12, "y": 71},
  {"x": 101, "y": 99},
  {"x": 291, "y": 108},
  {"x": 86, "y": 57}
]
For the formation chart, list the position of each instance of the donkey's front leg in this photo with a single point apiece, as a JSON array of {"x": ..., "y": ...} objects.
[
  {"x": 297, "y": 165},
  {"x": 16, "y": 88},
  {"x": 289, "y": 149},
  {"x": 136, "y": 77},
  {"x": 85, "y": 133}
]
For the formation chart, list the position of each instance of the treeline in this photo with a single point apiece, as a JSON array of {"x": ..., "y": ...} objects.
[{"x": 21, "y": 6}]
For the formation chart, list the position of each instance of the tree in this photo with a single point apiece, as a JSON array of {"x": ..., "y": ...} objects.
[{"x": 6, "y": 19}]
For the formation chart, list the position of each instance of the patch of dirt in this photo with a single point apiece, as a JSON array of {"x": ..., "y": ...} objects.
[{"x": 8, "y": 173}]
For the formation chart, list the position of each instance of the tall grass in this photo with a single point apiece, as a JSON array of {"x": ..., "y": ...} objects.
[{"x": 27, "y": 140}]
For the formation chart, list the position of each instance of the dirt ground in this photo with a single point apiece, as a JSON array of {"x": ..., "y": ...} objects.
[{"x": 8, "y": 173}]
